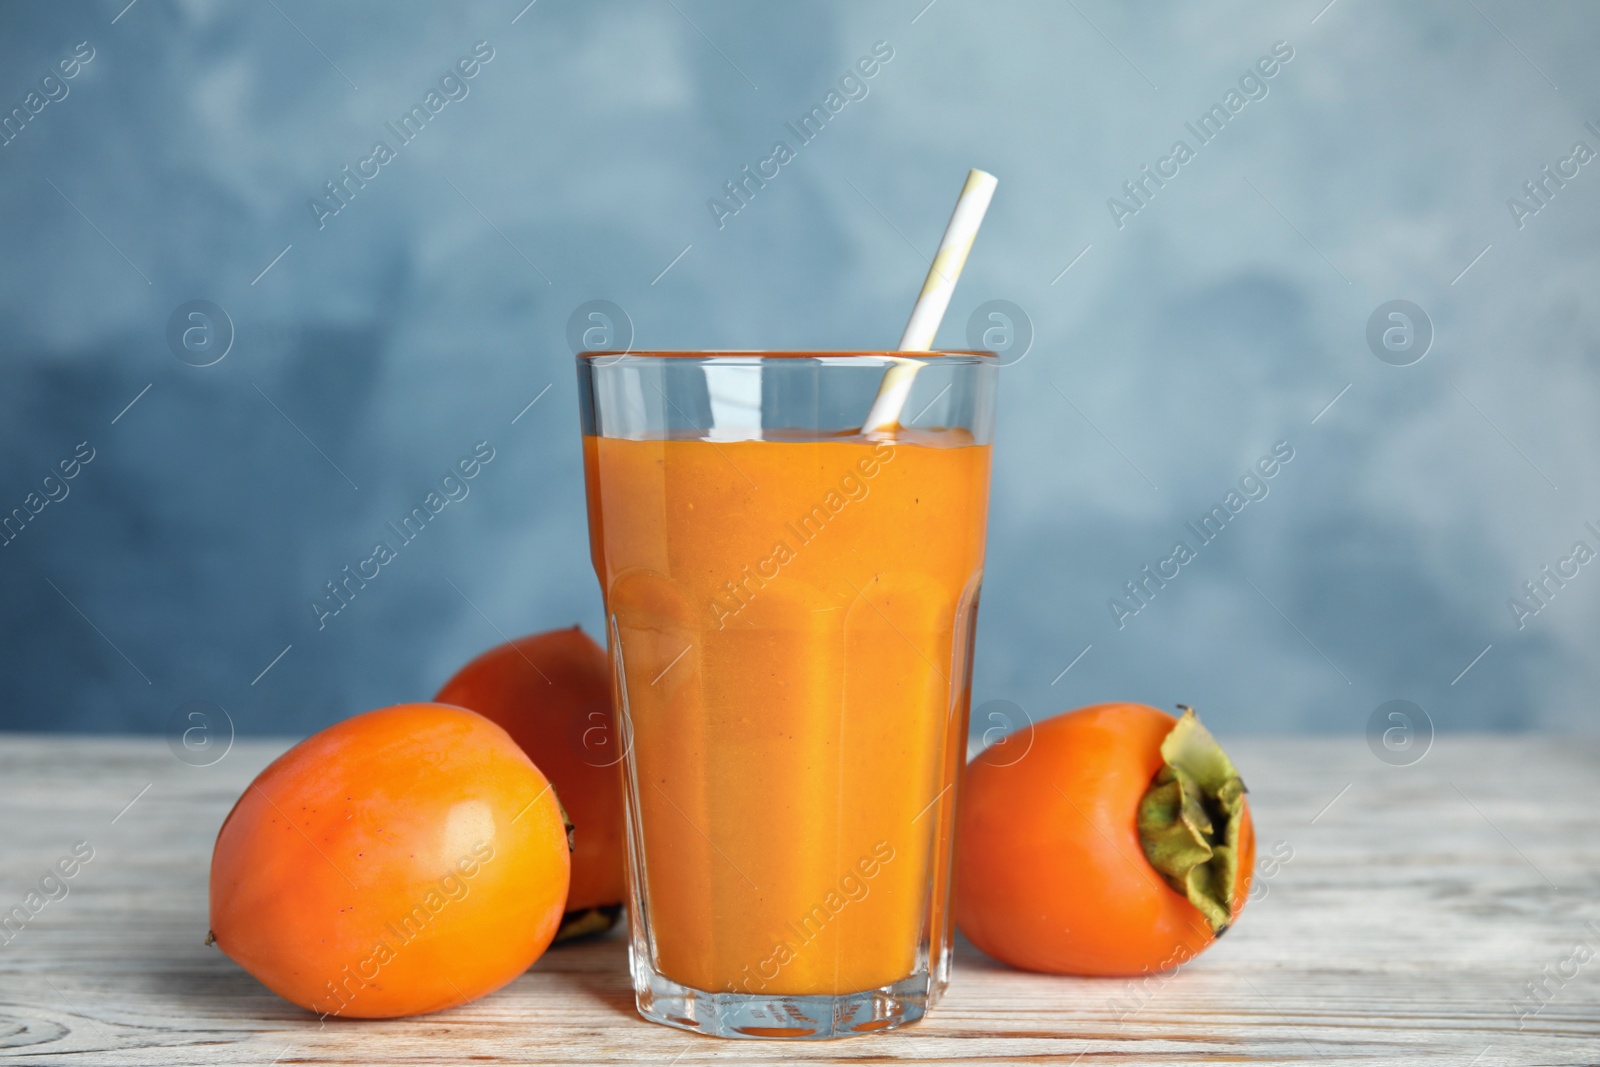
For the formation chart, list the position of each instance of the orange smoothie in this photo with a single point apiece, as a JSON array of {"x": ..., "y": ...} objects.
[{"x": 791, "y": 620}]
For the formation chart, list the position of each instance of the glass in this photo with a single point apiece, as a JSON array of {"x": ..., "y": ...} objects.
[{"x": 790, "y": 607}]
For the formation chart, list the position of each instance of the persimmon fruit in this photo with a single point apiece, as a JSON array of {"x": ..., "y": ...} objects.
[
  {"x": 402, "y": 861},
  {"x": 552, "y": 693},
  {"x": 1120, "y": 844}
]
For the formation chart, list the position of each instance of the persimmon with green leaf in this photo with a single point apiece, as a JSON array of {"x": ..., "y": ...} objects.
[{"x": 1120, "y": 844}]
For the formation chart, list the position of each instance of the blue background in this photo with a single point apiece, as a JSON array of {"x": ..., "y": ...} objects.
[{"x": 1221, "y": 318}]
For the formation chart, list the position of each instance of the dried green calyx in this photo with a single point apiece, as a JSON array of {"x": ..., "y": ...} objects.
[
  {"x": 586, "y": 921},
  {"x": 1190, "y": 817}
]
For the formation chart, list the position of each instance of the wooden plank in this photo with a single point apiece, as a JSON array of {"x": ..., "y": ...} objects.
[{"x": 1418, "y": 902}]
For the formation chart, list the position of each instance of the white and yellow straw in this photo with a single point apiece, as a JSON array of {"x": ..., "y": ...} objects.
[{"x": 934, "y": 299}]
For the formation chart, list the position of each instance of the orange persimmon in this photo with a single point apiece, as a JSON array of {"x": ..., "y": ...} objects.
[
  {"x": 552, "y": 693},
  {"x": 1120, "y": 844},
  {"x": 402, "y": 861}
]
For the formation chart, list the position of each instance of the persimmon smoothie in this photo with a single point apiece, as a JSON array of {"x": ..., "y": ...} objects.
[{"x": 791, "y": 622}]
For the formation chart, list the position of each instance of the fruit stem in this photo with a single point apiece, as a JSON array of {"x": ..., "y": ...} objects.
[{"x": 1190, "y": 818}]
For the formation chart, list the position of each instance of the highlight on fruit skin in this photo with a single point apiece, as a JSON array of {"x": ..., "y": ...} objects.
[
  {"x": 403, "y": 861},
  {"x": 552, "y": 693},
  {"x": 1122, "y": 844}
]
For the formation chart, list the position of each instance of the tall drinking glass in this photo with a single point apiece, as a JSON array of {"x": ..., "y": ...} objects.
[{"x": 790, "y": 606}]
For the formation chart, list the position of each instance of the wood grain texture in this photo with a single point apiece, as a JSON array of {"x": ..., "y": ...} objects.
[{"x": 1403, "y": 931}]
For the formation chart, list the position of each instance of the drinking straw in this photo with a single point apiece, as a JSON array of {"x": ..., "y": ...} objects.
[{"x": 959, "y": 234}]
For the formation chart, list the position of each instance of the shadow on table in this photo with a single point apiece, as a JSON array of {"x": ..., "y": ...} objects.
[
  {"x": 202, "y": 985},
  {"x": 970, "y": 958},
  {"x": 596, "y": 966}
]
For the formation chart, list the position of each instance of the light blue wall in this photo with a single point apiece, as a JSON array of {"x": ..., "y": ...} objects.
[{"x": 1219, "y": 319}]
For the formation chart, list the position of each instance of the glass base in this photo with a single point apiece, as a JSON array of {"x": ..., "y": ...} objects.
[{"x": 747, "y": 1015}]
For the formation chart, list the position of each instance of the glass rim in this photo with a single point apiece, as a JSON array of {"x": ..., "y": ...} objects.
[{"x": 955, "y": 354}]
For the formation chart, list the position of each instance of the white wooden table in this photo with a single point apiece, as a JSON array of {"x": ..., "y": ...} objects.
[{"x": 1416, "y": 907}]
